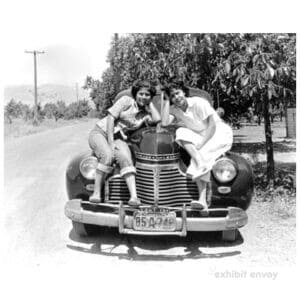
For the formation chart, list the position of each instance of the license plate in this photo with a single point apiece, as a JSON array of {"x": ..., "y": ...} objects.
[{"x": 154, "y": 219}]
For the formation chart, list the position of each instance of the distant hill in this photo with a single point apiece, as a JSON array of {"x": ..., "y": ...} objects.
[{"x": 46, "y": 93}]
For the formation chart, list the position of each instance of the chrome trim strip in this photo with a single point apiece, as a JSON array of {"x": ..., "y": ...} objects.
[
  {"x": 157, "y": 157},
  {"x": 75, "y": 212}
]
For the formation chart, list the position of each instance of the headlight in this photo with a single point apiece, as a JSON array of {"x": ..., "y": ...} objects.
[
  {"x": 224, "y": 170},
  {"x": 88, "y": 167}
]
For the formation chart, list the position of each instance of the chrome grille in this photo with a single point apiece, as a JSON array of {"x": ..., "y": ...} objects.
[
  {"x": 145, "y": 186},
  {"x": 156, "y": 184},
  {"x": 117, "y": 190},
  {"x": 175, "y": 188}
]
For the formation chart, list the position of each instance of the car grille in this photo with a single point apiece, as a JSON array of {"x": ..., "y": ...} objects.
[{"x": 156, "y": 184}]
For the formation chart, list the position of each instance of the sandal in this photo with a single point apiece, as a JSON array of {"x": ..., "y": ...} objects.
[
  {"x": 134, "y": 201},
  {"x": 95, "y": 199},
  {"x": 197, "y": 205}
]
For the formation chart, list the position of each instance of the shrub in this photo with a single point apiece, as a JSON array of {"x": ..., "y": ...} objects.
[
  {"x": 77, "y": 110},
  {"x": 50, "y": 110},
  {"x": 12, "y": 110}
]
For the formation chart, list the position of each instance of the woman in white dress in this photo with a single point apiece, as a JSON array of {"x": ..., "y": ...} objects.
[{"x": 201, "y": 132}]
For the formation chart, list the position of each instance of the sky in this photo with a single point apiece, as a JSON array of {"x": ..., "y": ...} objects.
[
  {"x": 66, "y": 60},
  {"x": 76, "y": 35},
  {"x": 62, "y": 63},
  {"x": 72, "y": 35}
]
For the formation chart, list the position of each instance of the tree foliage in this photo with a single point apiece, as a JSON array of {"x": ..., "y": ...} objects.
[
  {"x": 238, "y": 70},
  {"x": 15, "y": 109},
  {"x": 77, "y": 110},
  {"x": 58, "y": 110},
  {"x": 235, "y": 68}
]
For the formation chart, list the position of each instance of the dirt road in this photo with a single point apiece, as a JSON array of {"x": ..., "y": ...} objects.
[{"x": 37, "y": 235}]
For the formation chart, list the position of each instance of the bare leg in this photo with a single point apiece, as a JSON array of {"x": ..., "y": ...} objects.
[
  {"x": 202, "y": 185},
  {"x": 130, "y": 181},
  {"x": 99, "y": 179},
  {"x": 192, "y": 151}
]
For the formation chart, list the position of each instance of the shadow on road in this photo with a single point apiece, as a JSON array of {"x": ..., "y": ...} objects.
[{"x": 140, "y": 248}]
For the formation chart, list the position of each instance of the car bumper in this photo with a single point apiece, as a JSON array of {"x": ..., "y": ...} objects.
[{"x": 234, "y": 218}]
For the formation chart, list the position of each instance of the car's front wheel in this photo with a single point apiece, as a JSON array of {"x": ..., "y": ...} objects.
[{"x": 82, "y": 229}]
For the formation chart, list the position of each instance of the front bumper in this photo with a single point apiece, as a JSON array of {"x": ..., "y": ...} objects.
[{"x": 117, "y": 215}]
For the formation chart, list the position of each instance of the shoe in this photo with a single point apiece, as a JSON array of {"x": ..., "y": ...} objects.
[
  {"x": 197, "y": 205},
  {"x": 133, "y": 201},
  {"x": 95, "y": 199}
]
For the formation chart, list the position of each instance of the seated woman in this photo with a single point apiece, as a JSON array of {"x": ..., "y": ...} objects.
[
  {"x": 107, "y": 139},
  {"x": 201, "y": 133}
]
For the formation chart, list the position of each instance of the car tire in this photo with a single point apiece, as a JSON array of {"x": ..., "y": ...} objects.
[
  {"x": 84, "y": 230},
  {"x": 230, "y": 235}
]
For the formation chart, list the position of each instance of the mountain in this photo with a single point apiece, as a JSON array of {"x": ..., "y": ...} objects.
[{"x": 46, "y": 93}]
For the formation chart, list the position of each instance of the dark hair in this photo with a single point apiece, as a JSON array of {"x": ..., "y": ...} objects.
[
  {"x": 139, "y": 84},
  {"x": 177, "y": 85}
]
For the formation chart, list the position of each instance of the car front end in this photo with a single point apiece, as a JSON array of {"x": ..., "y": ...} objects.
[{"x": 164, "y": 189}]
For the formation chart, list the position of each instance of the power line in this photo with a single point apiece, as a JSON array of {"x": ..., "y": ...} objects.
[{"x": 35, "y": 52}]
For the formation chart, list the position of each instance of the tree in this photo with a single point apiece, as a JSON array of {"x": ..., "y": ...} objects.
[
  {"x": 50, "y": 110},
  {"x": 27, "y": 112},
  {"x": 259, "y": 71},
  {"x": 12, "y": 110},
  {"x": 77, "y": 110},
  {"x": 237, "y": 69},
  {"x": 61, "y": 110}
]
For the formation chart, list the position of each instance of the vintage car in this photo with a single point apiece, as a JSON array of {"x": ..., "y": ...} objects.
[{"x": 164, "y": 189}]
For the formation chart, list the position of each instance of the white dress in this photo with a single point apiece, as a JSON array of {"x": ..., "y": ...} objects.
[{"x": 194, "y": 125}]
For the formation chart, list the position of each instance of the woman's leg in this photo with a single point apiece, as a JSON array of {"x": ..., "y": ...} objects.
[
  {"x": 192, "y": 151},
  {"x": 127, "y": 169},
  {"x": 99, "y": 145},
  {"x": 201, "y": 203},
  {"x": 188, "y": 139},
  {"x": 202, "y": 184},
  {"x": 130, "y": 181}
]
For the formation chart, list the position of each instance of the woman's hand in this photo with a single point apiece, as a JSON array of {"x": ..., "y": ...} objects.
[
  {"x": 175, "y": 111},
  {"x": 124, "y": 136},
  {"x": 155, "y": 115}
]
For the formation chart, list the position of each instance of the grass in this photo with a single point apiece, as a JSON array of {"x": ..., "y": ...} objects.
[
  {"x": 20, "y": 127},
  {"x": 282, "y": 196}
]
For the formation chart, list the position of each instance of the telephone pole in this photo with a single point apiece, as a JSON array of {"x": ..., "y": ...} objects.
[
  {"x": 77, "y": 113},
  {"x": 77, "y": 97},
  {"x": 35, "y": 52}
]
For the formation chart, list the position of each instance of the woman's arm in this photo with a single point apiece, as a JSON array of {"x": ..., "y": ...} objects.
[
  {"x": 155, "y": 116},
  {"x": 166, "y": 118},
  {"x": 209, "y": 132}
]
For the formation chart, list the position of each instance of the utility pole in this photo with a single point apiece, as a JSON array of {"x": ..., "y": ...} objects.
[
  {"x": 77, "y": 92},
  {"x": 35, "y": 52},
  {"x": 77, "y": 110}
]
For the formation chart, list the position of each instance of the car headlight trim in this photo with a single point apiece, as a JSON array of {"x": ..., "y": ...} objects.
[
  {"x": 88, "y": 167},
  {"x": 224, "y": 170}
]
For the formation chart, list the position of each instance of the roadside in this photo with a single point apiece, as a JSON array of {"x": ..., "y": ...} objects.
[
  {"x": 19, "y": 128},
  {"x": 249, "y": 141}
]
